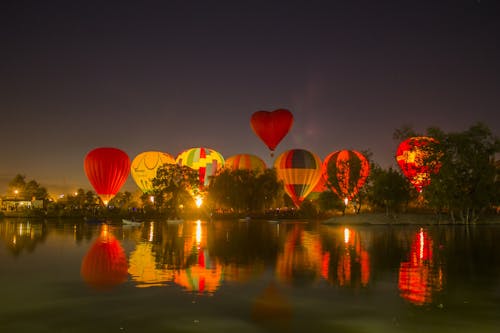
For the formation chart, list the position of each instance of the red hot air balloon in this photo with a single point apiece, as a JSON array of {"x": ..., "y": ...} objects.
[
  {"x": 412, "y": 156},
  {"x": 349, "y": 169},
  {"x": 271, "y": 127},
  {"x": 107, "y": 170}
]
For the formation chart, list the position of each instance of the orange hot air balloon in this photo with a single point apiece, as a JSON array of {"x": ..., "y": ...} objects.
[
  {"x": 300, "y": 171},
  {"x": 349, "y": 169},
  {"x": 105, "y": 264},
  {"x": 271, "y": 127},
  {"x": 412, "y": 156},
  {"x": 245, "y": 162},
  {"x": 107, "y": 170}
]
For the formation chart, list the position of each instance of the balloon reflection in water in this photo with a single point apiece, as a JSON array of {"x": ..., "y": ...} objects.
[
  {"x": 201, "y": 273},
  {"x": 271, "y": 309},
  {"x": 302, "y": 258},
  {"x": 348, "y": 263},
  {"x": 105, "y": 264},
  {"x": 143, "y": 268},
  {"x": 420, "y": 277},
  {"x": 354, "y": 261}
]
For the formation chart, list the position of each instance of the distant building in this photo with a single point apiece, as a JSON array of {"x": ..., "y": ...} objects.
[{"x": 12, "y": 204}]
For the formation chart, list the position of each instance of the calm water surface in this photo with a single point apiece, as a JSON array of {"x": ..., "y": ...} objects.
[{"x": 247, "y": 276}]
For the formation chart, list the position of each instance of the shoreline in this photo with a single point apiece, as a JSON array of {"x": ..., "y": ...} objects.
[
  {"x": 349, "y": 219},
  {"x": 403, "y": 219}
]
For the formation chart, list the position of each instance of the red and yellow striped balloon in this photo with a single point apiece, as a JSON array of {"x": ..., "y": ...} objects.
[{"x": 300, "y": 171}]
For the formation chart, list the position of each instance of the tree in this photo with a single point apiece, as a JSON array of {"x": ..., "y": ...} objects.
[
  {"x": 466, "y": 185},
  {"x": 244, "y": 190},
  {"x": 388, "y": 189},
  {"x": 173, "y": 186},
  {"x": 17, "y": 185},
  {"x": 34, "y": 190},
  {"x": 27, "y": 190}
]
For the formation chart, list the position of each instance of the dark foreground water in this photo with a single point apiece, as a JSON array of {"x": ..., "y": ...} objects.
[{"x": 248, "y": 276}]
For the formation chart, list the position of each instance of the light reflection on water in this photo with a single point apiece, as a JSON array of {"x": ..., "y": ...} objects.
[{"x": 253, "y": 275}]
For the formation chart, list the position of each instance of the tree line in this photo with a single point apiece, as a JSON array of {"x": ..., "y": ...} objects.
[{"x": 465, "y": 189}]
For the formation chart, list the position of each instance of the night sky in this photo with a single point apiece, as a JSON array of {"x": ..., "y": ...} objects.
[{"x": 171, "y": 75}]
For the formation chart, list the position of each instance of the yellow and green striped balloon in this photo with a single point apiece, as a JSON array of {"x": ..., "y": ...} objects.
[{"x": 207, "y": 161}]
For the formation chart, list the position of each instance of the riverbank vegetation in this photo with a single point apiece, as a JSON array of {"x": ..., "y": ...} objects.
[{"x": 465, "y": 190}]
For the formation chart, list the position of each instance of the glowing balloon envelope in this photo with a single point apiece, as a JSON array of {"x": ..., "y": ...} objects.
[
  {"x": 105, "y": 264},
  {"x": 412, "y": 156},
  {"x": 245, "y": 162},
  {"x": 271, "y": 126},
  {"x": 300, "y": 171},
  {"x": 207, "y": 161},
  {"x": 350, "y": 169},
  {"x": 145, "y": 165},
  {"x": 107, "y": 170}
]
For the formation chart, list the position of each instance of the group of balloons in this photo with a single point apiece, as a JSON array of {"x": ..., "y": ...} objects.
[{"x": 300, "y": 170}]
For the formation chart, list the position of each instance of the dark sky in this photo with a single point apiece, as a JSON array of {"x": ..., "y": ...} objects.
[{"x": 170, "y": 75}]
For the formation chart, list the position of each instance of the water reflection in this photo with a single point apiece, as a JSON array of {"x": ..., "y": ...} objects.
[
  {"x": 105, "y": 264},
  {"x": 302, "y": 259},
  {"x": 347, "y": 263},
  {"x": 422, "y": 275},
  {"x": 176, "y": 254},
  {"x": 272, "y": 309},
  {"x": 21, "y": 235},
  {"x": 200, "y": 256}
]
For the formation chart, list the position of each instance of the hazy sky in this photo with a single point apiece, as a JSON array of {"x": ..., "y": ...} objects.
[{"x": 170, "y": 75}]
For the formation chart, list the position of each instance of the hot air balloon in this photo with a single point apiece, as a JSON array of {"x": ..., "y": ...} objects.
[
  {"x": 245, "y": 162},
  {"x": 413, "y": 156},
  {"x": 105, "y": 264},
  {"x": 349, "y": 169},
  {"x": 144, "y": 166},
  {"x": 207, "y": 161},
  {"x": 271, "y": 127},
  {"x": 107, "y": 170},
  {"x": 300, "y": 171}
]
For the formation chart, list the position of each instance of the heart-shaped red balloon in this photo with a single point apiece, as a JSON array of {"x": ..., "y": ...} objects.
[{"x": 271, "y": 126}]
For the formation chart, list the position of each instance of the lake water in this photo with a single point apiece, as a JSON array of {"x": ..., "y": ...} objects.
[{"x": 248, "y": 276}]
